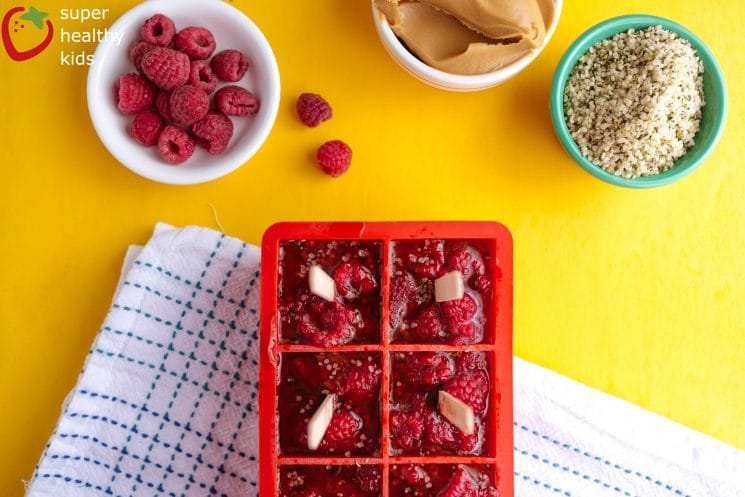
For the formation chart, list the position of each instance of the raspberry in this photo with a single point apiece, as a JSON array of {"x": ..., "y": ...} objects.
[
  {"x": 202, "y": 77},
  {"x": 306, "y": 368},
  {"x": 188, "y": 105},
  {"x": 471, "y": 389},
  {"x": 359, "y": 382},
  {"x": 167, "y": 68},
  {"x": 138, "y": 50},
  {"x": 413, "y": 475},
  {"x": 426, "y": 368},
  {"x": 468, "y": 444},
  {"x": 229, "y": 65},
  {"x": 466, "y": 260},
  {"x": 428, "y": 324},
  {"x": 402, "y": 298},
  {"x": 134, "y": 93},
  {"x": 456, "y": 312},
  {"x": 426, "y": 258},
  {"x": 313, "y": 109},
  {"x": 158, "y": 30},
  {"x": 481, "y": 283},
  {"x": 196, "y": 42},
  {"x": 163, "y": 104},
  {"x": 371, "y": 479},
  {"x": 175, "y": 145},
  {"x": 334, "y": 157},
  {"x": 333, "y": 324},
  {"x": 440, "y": 432},
  {"x": 342, "y": 431},
  {"x": 213, "y": 132},
  {"x": 407, "y": 430},
  {"x": 146, "y": 128},
  {"x": 236, "y": 101},
  {"x": 462, "y": 484},
  {"x": 470, "y": 361},
  {"x": 353, "y": 279},
  {"x": 308, "y": 492}
]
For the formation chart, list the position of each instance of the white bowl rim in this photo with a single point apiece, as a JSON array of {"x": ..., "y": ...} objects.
[
  {"x": 449, "y": 81},
  {"x": 173, "y": 174}
]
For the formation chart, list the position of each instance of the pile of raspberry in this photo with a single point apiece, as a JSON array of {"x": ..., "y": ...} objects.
[
  {"x": 416, "y": 425},
  {"x": 171, "y": 94}
]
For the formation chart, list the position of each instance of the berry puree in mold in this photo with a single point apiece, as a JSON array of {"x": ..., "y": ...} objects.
[
  {"x": 415, "y": 317},
  {"x": 441, "y": 480},
  {"x": 305, "y": 381},
  {"x": 353, "y": 316},
  {"x": 417, "y": 425},
  {"x": 332, "y": 481}
]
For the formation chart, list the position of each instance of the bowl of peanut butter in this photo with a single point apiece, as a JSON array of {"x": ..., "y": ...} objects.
[{"x": 465, "y": 45}]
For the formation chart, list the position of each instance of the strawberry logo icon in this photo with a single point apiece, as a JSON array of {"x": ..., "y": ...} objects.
[{"x": 35, "y": 17}]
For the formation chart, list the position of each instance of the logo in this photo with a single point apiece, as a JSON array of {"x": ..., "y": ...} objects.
[{"x": 21, "y": 33}]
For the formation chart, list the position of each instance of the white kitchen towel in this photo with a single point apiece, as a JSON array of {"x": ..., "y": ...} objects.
[{"x": 166, "y": 402}]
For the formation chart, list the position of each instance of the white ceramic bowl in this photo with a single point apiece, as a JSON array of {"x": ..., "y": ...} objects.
[
  {"x": 232, "y": 29},
  {"x": 454, "y": 82}
]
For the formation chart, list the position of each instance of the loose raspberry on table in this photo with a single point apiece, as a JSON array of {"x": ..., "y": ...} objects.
[
  {"x": 175, "y": 145},
  {"x": 236, "y": 101},
  {"x": 426, "y": 368},
  {"x": 202, "y": 77},
  {"x": 358, "y": 382},
  {"x": 462, "y": 484},
  {"x": 428, "y": 325},
  {"x": 188, "y": 105},
  {"x": 146, "y": 127},
  {"x": 134, "y": 93},
  {"x": 213, "y": 132},
  {"x": 196, "y": 42},
  {"x": 163, "y": 104},
  {"x": 407, "y": 429},
  {"x": 353, "y": 279},
  {"x": 138, "y": 50},
  {"x": 334, "y": 157},
  {"x": 167, "y": 68},
  {"x": 342, "y": 431},
  {"x": 313, "y": 109},
  {"x": 403, "y": 298},
  {"x": 229, "y": 65},
  {"x": 471, "y": 388},
  {"x": 158, "y": 30}
]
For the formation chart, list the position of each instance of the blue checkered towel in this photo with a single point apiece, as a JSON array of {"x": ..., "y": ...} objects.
[{"x": 166, "y": 403}]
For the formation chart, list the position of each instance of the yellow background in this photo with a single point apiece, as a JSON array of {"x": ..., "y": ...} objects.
[{"x": 638, "y": 293}]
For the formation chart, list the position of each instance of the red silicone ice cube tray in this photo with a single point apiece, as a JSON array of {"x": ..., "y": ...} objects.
[{"x": 377, "y": 354}]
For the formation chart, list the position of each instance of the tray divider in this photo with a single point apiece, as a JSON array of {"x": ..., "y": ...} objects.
[{"x": 385, "y": 362}]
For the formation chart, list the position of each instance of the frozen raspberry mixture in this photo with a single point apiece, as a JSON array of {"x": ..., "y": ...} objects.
[
  {"x": 441, "y": 480},
  {"x": 415, "y": 317},
  {"x": 416, "y": 426},
  {"x": 305, "y": 381},
  {"x": 354, "y": 317},
  {"x": 330, "y": 481}
]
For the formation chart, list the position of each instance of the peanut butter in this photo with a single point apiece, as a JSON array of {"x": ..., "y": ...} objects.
[{"x": 469, "y": 36}]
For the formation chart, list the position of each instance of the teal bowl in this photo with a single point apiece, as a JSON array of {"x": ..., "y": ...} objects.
[{"x": 714, "y": 113}]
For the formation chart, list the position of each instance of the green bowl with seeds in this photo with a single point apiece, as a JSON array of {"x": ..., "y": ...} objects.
[{"x": 713, "y": 113}]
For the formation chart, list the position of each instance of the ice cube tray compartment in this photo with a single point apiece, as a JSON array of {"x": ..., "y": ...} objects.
[{"x": 496, "y": 457}]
